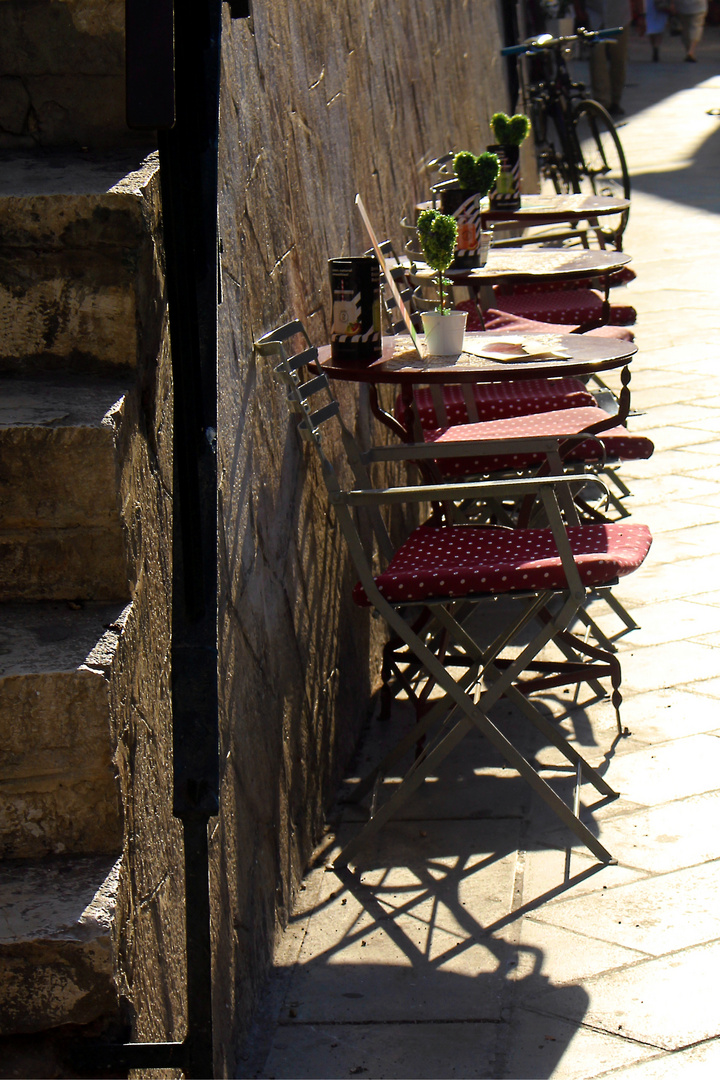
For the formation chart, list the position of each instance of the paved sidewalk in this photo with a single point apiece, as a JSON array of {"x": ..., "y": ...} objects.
[{"x": 472, "y": 958}]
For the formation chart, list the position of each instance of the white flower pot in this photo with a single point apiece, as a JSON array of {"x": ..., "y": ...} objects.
[{"x": 444, "y": 334}]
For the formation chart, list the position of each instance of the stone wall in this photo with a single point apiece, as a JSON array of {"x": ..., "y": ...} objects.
[
  {"x": 319, "y": 101},
  {"x": 62, "y": 74}
]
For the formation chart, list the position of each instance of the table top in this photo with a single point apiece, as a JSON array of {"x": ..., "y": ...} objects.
[
  {"x": 533, "y": 265},
  {"x": 400, "y": 363},
  {"x": 540, "y": 209},
  {"x": 551, "y": 209}
]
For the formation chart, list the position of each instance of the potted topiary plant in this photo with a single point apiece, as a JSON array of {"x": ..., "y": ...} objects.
[
  {"x": 444, "y": 328},
  {"x": 509, "y": 132},
  {"x": 474, "y": 177}
]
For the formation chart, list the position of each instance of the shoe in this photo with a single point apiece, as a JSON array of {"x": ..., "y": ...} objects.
[
  {"x": 690, "y": 59},
  {"x": 616, "y": 110}
]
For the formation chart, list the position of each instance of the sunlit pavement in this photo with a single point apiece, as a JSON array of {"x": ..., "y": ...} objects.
[{"x": 458, "y": 948}]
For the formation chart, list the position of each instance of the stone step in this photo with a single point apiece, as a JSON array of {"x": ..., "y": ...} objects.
[
  {"x": 56, "y": 946},
  {"x": 63, "y": 68},
  {"x": 79, "y": 276},
  {"x": 61, "y": 534},
  {"x": 58, "y": 791}
]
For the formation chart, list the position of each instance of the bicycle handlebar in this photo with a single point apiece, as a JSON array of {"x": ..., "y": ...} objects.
[{"x": 547, "y": 41}]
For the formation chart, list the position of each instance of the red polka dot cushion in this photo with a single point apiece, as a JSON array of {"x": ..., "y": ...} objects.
[
  {"x": 505, "y": 320},
  {"x": 438, "y": 562},
  {"x": 619, "y": 443},
  {"x": 497, "y": 400},
  {"x": 568, "y": 307},
  {"x": 621, "y": 277}
]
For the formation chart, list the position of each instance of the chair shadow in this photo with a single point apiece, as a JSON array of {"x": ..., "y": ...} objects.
[
  {"x": 412, "y": 961},
  {"x": 447, "y": 988}
]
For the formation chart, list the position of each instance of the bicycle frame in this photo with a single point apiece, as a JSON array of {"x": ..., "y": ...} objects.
[{"x": 554, "y": 105}]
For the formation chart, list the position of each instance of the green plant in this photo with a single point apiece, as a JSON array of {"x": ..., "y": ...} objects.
[
  {"x": 476, "y": 174},
  {"x": 510, "y": 130},
  {"x": 438, "y": 235}
]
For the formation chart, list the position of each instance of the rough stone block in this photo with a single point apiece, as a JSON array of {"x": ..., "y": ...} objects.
[
  {"x": 60, "y": 527},
  {"x": 56, "y": 952},
  {"x": 58, "y": 792},
  {"x": 70, "y": 56},
  {"x": 78, "y": 269}
]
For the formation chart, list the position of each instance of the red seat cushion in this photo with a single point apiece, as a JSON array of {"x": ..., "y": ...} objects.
[
  {"x": 620, "y": 277},
  {"x": 620, "y": 444},
  {"x": 497, "y": 400},
  {"x": 436, "y": 562},
  {"x": 505, "y": 320},
  {"x": 567, "y": 307}
]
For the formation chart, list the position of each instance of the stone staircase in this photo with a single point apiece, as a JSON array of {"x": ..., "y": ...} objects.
[
  {"x": 81, "y": 331},
  {"x": 81, "y": 323}
]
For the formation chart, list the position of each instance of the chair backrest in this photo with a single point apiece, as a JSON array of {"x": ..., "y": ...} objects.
[
  {"x": 301, "y": 393},
  {"x": 398, "y": 270}
]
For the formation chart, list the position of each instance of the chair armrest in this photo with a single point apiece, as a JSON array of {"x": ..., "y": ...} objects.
[{"x": 456, "y": 492}]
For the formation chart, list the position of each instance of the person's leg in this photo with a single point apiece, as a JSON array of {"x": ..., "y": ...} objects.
[
  {"x": 600, "y": 73},
  {"x": 685, "y": 34},
  {"x": 617, "y": 56},
  {"x": 655, "y": 40},
  {"x": 695, "y": 32}
]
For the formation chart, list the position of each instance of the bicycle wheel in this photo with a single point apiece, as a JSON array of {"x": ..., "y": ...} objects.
[
  {"x": 601, "y": 166},
  {"x": 555, "y": 176}
]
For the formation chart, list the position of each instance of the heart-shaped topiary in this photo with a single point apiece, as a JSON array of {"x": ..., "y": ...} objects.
[
  {"x": 438, "y": 234},
  {"x": 476, "y": 174},
  {"x": 510, "y": 130}
]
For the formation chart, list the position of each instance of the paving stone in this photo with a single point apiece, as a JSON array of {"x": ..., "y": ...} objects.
[
  {"x": 667, "y": 837},
  {"x": 655, "y": 915},
  {"x": 656, "y": 718},
  {"x": 383, "y": 1050},
  {"x": 664, "y": 1003},
  {"x": 564, "y": 956},
  {"x": 673, "y": 436},
  {"x": 687, "y": 577},
  {"x": 698, "y": 1063},
  {"x": 543, "y": 1046},
  {"x": 544, "y": 881},
  {"x": 685, "y": 514},
  {"x": 672, "y": 620},
  {"x": 416, "y": 916},
  {"x": 670, "y": 771},
  {"x": 674, "y": 664}
]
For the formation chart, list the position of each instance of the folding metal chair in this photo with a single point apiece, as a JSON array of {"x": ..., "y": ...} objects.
[{"x": 441, "y": 574}]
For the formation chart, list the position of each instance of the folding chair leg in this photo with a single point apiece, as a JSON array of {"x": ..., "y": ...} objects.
[
  {"x": 567, "y": 749},
  {"x": 618, "y": 481},
  {"x": 432, "y": 760},
  {"x": 420, "y": 729},
  {"x": 615, "y": 605},
  {"x": 587, "y": 621},
  {"x": 477, "y": 716}
]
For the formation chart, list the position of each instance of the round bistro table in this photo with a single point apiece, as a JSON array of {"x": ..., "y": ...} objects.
[
  {"x": 551, "y": 209},
  {"x": 539, "y": 264},
  {"x": 565, "y": 209},
  {"x": 556, "y": 209},
  {"x": 400, "y": 365}
]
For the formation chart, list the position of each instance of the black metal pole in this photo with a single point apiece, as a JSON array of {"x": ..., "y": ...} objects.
[{"x": 173, "y": 50}]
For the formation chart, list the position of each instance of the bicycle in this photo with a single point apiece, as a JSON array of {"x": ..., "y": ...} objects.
[{"x": 576, "y": 143}]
